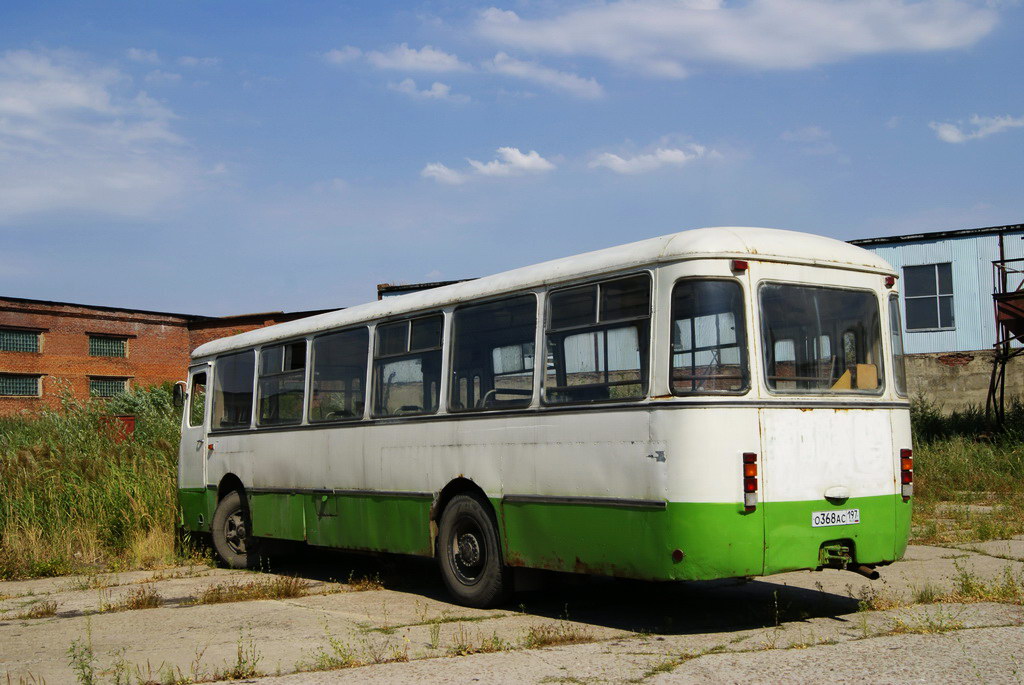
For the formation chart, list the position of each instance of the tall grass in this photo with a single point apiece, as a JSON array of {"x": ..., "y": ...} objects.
[
  {"x": 73, "y": 498},
  {"x": 962, "y": 453}
]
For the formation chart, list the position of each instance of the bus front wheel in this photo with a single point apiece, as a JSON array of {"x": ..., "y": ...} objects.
[
  {"x": 232, "y": 532},
  {"x": 469, "y": 553}
]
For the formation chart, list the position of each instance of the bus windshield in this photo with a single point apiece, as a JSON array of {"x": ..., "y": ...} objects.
[{"x": 821, "y": 339}]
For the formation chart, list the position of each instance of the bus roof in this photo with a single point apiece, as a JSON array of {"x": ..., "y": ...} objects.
[{"x": 767, "y": 244}]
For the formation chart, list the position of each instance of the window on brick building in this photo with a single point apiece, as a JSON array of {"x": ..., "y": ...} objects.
[
  {"x": 107, "y": 387},
  {"x": 13, "y": 340},
  {"x": 107, "y": 346},
  {"x": 19, "y": 385},
  {"x": 928, "y": 294}
]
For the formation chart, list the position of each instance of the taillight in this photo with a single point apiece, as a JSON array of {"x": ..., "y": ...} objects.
[
  {"x": 907, "y": 473},
  {"x": 749, "y": 481}
]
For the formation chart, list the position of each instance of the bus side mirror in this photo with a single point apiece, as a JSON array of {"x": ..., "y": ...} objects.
[{"x": 179, "y": 394}]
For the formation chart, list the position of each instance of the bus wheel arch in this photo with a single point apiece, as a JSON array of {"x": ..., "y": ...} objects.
[
  {"x": 467, "y": 545},
  {"x": 231, "y": 526}
]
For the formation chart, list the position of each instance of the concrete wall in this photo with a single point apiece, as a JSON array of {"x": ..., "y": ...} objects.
[{"x": 957, "y": 380}]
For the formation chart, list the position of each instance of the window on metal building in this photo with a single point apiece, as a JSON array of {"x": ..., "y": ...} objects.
[
  {"x": 13, "y": 340},
  {"x": 928, "y": 294},
  {"x": 19, "y": 385},
  {"x": 107, "y": 346}
]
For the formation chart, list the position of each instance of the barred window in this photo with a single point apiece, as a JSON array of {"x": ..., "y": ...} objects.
[
  {"x": 14, "y": 385},
  {"x": 107, "y": 387},
  {"x": 18, "y": 341},
  {"x": 106, "y": 346}
]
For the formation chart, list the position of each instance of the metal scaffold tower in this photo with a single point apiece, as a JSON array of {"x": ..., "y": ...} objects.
[{"x": 1008, "y": 304}]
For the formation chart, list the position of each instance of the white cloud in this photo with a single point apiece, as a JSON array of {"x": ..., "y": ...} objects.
[
  {"x": 347, "y": 54},
  {"x": 158, "y": 76},
  {"x": 437, "y": 91},
  {"x": 651, "y": 161},
  {"x": 74, "y": 137},
  {"x": 510, "y": 162},
  {"x": 143, "y": 56},
  {"x": 983, "y": 127},
  {"x": 662, "y": 37},
  {"x": 545, "y": 76},
  {"x": 427, "y": 58},
  {"x": 811, "y": 140},
  {"x": 189, "y": 61},
  {"x": 442, "y": 174}
]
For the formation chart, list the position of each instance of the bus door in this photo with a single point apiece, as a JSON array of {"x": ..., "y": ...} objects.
[{"x": 192, "y": 451}]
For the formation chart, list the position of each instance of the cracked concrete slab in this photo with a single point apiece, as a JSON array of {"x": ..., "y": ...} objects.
[{"x": 629, "y": 630}]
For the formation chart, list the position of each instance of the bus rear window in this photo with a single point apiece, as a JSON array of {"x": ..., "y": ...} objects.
[{"x": 822, "y": 340}]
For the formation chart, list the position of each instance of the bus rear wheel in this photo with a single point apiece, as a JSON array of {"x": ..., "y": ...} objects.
[
  {"x": 232, "y": 532},
  {"x": 469, "y": 554}
]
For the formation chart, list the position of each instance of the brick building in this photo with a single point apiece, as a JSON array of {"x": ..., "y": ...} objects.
[{"x": 100, "y": 351}]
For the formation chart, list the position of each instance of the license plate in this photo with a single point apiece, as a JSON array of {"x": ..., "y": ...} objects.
[{"x": 839, "y": 517}]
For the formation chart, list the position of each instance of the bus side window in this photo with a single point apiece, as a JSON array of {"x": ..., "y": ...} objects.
[
  {"x": 282, "y": 383},
  {"x": 407, "y": 367},
  {"x": 492, "y": 364},
  {"x": 597, "y": 341},
  {"x": 709, "y": 344},
  {"x": 197, "y": 400},
  {"x": 339, "y": 376},
  {"x": 232, "y": 390}
]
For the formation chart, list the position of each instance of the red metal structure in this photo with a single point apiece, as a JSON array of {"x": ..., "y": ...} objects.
[{"x": 1008, "y": 305}]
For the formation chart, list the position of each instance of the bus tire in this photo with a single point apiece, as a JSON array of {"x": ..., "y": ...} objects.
[
  {"x": 470, "y": 555},
  {"x": 231, "y": 529}
]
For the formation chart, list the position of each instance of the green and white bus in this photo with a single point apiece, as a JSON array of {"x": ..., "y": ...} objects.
[{"x": 721, "y": 402}]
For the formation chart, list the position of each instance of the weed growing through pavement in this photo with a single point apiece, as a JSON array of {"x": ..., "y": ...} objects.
[
  {"x": 561, "y": 633},
  {"x": 247, "y": 660},
  {"x": 941, "y": 620},
  {"x": 39, "y": 610},
  {"x": 337, "y": 654},
  {"x": 145, "y": 597},
  {"x": 364, "y": 583},
  {"x": 271, "y": 587},
  {"x": 81, "y": 657}
]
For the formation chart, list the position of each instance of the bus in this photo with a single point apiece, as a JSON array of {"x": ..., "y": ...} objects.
[{"x": 720, "y": 402}]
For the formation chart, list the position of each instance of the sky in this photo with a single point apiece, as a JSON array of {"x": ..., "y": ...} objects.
[{"x": 227, "y": 157}]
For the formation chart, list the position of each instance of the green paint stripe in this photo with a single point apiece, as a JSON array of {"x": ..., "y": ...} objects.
[{"x": 717, "y": 540}]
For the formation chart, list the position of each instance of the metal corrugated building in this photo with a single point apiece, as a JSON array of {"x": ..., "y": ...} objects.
[{"x": 969, "y": 254}]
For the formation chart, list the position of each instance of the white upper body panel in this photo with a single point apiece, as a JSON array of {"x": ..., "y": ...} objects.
[{"x": 766, "y": 244}]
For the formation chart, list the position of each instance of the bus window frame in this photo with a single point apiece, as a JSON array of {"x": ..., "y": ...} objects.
[
  {"x": 762, "y": 344},
  {"x": 541, "y": 353},
  {"x": 449, "y": 384},
  {"x": 259, "y": 376},
  {"x": 215, "y": 386},
  {"x": 367, "y": 374},
  {"x": 747, "y": 347},
  {"x": 373, "y": 359}
]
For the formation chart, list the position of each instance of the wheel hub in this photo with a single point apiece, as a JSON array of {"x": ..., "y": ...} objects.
[
  {"x": 235, "y": 533},
  {"x": 469, "y": 549}
]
